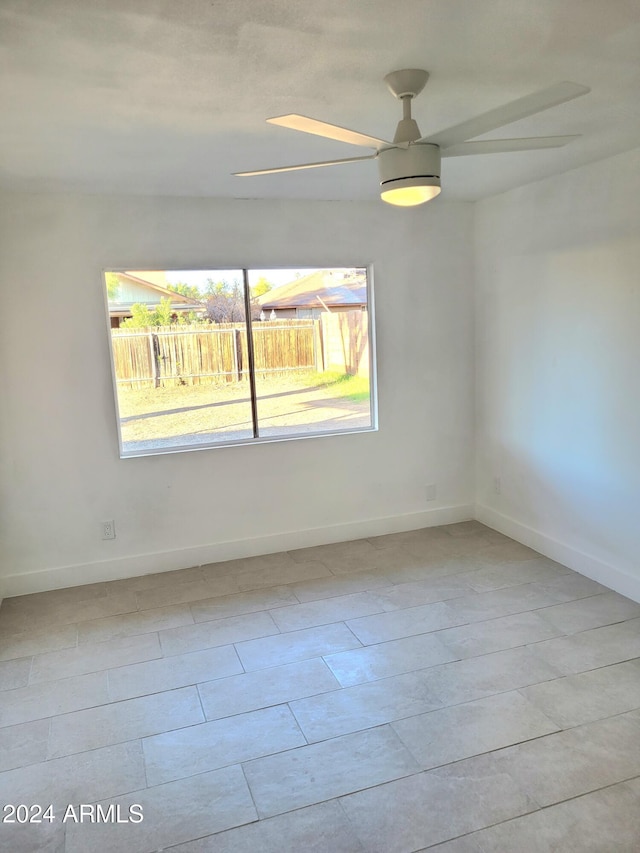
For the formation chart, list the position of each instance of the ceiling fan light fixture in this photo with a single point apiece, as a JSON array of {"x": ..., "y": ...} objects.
[
  {"x": 410, "y": 192},
  {"x": 409, "y": 176},
  {"x": 410, "y": 165}
]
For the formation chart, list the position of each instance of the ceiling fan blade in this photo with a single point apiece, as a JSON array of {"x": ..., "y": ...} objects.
[
  {"x": 303, "y": 166},
  {"x": 513, "y": 111},
  {"x": 501, "y": 146},
  {"x": 330, "y": 131}
]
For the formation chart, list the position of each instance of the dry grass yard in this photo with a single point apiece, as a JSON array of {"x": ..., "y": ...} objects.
[{"x": 307, "y": 402}]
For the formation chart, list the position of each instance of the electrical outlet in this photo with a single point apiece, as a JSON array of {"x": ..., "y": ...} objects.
[
  {"x": 432, "y": 491},
  {"x": 497, "y": 485},
  {"x": 109, "y": 529}
]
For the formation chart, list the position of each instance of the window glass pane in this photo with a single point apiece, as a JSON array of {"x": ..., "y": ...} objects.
[
  {"x": 310, "y": 331},
  {"x": 180, "y": 358}
]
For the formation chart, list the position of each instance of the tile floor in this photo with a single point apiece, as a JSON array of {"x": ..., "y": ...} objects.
[{"x": 444, "y": 689}]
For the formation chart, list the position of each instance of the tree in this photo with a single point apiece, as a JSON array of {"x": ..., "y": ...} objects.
[
  {"x": 225, "y": 301},
  {"x": 261, "y": 287},
  {"x": 142, "y": 317},
  {"x": 190, "y": 318},
  {"x": 190, "y": 290},
  {"x": 113, "y": 285},
  {"x": 163, "y": 313}
]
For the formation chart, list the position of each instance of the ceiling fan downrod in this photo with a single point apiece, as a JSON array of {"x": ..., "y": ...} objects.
[
  {"x": 407, "y": 130},
  {"x": 405, "y": 85}
]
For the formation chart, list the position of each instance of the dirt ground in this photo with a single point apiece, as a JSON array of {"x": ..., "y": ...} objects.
[{"x": 152, "y": 418}]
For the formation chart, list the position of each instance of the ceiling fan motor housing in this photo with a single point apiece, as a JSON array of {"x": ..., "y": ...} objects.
[{"x": 402, "y": 164}]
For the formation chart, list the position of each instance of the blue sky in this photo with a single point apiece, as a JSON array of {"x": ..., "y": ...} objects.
[{"x": 199, "y": 277}]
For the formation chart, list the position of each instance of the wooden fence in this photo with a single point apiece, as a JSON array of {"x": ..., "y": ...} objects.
[
  {"x": 345, "y": 342},
  {"x": 217, "y": 353},
  {"x": 194, "y": 355}
]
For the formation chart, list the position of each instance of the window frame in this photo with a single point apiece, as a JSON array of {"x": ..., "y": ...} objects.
[{"x": 254, "y": 398}]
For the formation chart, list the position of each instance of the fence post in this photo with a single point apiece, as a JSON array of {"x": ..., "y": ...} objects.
[
  {"x": 237, "y": 352},
  {"x": 234, "y": 353},
  {"x": 326, "y": 332},
  {"x": 317, "y": 345},
  {"x": 154, "y": 355}
]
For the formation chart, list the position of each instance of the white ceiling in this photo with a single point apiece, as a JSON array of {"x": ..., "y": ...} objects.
[{"x": 171, "y": 96}]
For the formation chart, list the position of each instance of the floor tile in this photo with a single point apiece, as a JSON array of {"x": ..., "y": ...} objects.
[
  {"x": 589, "y": 696},
  {"x": 464, "y": 844},
  {"x": 386, "y": 659},
  {"x": 431, "y": 807},
  {"x": 506, "y": 551},
  {"x": 185, "y": 593},
  {"x": 571, "y": 586},
  {"x": 442, "y": 549},
  {"x": 209, "y": 746},
  {"x": 404, "y": 623},
  {"x": 594, "y": 648},
  {"x": 312, "y": 774},
  {"x": 248, "y": 564},
  {"x": 34, "y": 837},
  {"x": 173, "y": 813},
  {"x": 66, "y": 612},
  {"x": 93, "y": 657},
  {"x": 22, "y": 744},
  {"x": 471, "y": 543},
  {"x": 155, "y": 580},
  {"x": 501, "y": 602},
  {"x": 39, "y": 602},
  {"x": 295, "y": 645},
  {"x": 265, "y": 687},
  {"x": 56, "y": 697},
  {"x": 392, "y": 559},
  {"x": 451, "y": 734},
  {"x": 277, "y": 575},
  {"x": 494, "y": 635},
  {"x": 242, "y": 602},
  {"x": 83, "y": 778},
  {"x": 14, "y": 673},
  {"x": 126, "y": 682},
  {"x": 334, "y": 551},
  {"x": 364, "y": 706},
  {"x": 464, "y": 528},
  {"x": 576, "y": 761},
  {"x": 422, "y": 535},
  {"x": 413, "y": 691},
  {"x": 219, "y": 632},
  {"x": 414, "y": 593},
  {"x": 131, "y": 624},
  {"x": 122, "y": 721},
  {"x": 600, "y": 822},
  {"x": 314, "y": 613},
  {"x": 429, "y": 566},
  {"x": 474, "y": 678},
  {"x": 592, "y": 612},
  {"x": 322, "y": 828},
  {"x": 25, "y": 643},
  {"x": 505, "y": 575},
  {"x": 337, "y": 585}
]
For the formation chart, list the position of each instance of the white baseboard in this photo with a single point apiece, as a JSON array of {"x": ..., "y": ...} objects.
[
  {"x": 617, "y": 579},
  {"x": 61, "y": 577}
]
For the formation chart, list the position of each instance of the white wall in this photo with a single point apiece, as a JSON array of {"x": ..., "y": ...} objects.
[
  {"x": 558, "y": 364},
  {"x": 61, "y": 474}
]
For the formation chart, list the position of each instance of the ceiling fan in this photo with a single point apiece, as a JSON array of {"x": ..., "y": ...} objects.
[{"x": 410, "y": 165}]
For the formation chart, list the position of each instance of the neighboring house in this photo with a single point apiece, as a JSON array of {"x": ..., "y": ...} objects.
[
  {"x": 324, "y": 290},
  {"x": 148, "y": 288}
]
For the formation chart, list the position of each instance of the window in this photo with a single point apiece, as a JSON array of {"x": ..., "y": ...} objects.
[{"x": 203, "y": 358}]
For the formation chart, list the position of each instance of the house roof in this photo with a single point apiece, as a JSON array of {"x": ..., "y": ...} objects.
[
  {"x": 159, "y": 285},
  {"x": 149, "y": 288},
  {"x": 327, "y": 287}
]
